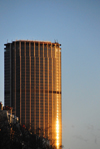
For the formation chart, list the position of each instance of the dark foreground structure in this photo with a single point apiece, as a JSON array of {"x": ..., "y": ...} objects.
[
  {"x": 16, "y": 136},
  {"x": 33, "y": 86}
]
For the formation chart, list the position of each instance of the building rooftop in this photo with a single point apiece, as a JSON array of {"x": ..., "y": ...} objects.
[{"x": 45, "y": 42}]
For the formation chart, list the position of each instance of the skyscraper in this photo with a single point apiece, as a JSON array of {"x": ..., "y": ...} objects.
[{"x": 33, "y": 86}]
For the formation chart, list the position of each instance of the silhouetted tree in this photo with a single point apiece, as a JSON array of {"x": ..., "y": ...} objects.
[{"x": 15, "y": 136}]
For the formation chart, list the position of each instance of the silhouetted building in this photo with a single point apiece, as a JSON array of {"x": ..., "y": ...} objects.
[{"x": 33, "y": 86}]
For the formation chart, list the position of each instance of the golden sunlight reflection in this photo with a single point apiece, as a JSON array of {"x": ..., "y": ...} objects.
[
  {"x": 57, "y": 133},
  {"x": 57, "y": 126}
]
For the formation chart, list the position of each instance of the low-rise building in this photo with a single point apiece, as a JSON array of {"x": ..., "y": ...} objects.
[{"x": 6, "y": 113}]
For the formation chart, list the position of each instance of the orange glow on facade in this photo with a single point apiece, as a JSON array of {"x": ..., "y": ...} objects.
[
  {"x": 57, "y": 133},
  {"x": 58, "y": 100},
  {"x": 57, "y": 126}
]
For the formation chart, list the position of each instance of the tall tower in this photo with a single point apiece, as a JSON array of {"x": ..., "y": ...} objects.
[{"x": 33, "y": 86}]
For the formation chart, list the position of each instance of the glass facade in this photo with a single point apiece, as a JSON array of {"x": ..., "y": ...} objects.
[{"x": 33, "y": 86}]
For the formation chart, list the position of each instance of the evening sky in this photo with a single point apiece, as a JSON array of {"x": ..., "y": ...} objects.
[{"x": 75, "y": 24}]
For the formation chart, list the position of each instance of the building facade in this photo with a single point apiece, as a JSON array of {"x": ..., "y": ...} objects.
[{"x": 33, "y": 86}]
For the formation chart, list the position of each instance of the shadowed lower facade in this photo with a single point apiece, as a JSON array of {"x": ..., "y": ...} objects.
[{"x": 33, "y": 86}]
